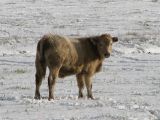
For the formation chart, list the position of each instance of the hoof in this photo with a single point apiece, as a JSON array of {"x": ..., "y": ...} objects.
[
  {"x": 37, "y": 97},
  {"x": 80, "y": 96},
  {"x": 50, "y": 99},
  {"x": 91, "y": 97}
]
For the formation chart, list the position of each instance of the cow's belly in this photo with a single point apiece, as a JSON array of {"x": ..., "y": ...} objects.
[{"x": 66, "y": 71}]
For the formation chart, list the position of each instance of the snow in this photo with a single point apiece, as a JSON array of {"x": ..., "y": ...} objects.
[{"x": 128, "y": 88}]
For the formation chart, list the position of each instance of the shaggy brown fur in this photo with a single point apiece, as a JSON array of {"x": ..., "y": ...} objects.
[{"x": 66, "y": 56}]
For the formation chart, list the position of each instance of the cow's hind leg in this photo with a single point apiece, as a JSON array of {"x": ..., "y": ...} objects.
[
  {"x": 38, "y": 84},
  {"x": 52, "y": 80},
  {"x": 80, "y": 83},
  {"x": 40, "y": 73},
  {"x": 88, "y": 82}
]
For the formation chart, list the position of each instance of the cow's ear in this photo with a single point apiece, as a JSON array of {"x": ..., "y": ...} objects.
[{"x": 115, "y": 39}]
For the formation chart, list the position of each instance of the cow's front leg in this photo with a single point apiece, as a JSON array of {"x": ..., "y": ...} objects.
[
  {"x": 80, "y": 83},
  {"x": 88, "y": 82}
]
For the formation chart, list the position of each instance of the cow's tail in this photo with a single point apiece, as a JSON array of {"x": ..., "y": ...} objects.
[{"x": 40, "y": 62}]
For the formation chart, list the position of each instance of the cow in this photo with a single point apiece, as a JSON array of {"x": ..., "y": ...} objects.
[{"x": 64, "y": 56}]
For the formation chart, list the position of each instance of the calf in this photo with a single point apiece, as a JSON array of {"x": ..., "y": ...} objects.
[{"x": 66, "y": 56}]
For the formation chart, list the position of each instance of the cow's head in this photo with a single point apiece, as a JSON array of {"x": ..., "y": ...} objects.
[{"x": 103, "y": 44}]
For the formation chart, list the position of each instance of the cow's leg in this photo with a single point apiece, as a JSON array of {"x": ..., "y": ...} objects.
[
  {"x": 88, "y": 82},
  {"x": 52, "y": 80},
  {"x": 38, "y": 82},
  {"x": 40, "y": 74},
  {"x": 80, "y": 83}
]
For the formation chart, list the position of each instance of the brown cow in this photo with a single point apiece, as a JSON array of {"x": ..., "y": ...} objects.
[{"x": 66, "y": 56}]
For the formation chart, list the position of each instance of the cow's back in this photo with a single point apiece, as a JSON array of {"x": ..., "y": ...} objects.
[{"x": 60, "y": 48}]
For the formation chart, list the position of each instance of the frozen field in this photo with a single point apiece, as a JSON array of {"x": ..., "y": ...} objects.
[{"x": 128, "y": 88}]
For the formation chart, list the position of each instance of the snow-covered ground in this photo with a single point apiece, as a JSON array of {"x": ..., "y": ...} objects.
[{"x": 128, "y": 88}]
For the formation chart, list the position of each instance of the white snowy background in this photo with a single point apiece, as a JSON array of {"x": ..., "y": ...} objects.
[{"x": 128, "y": 88}]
